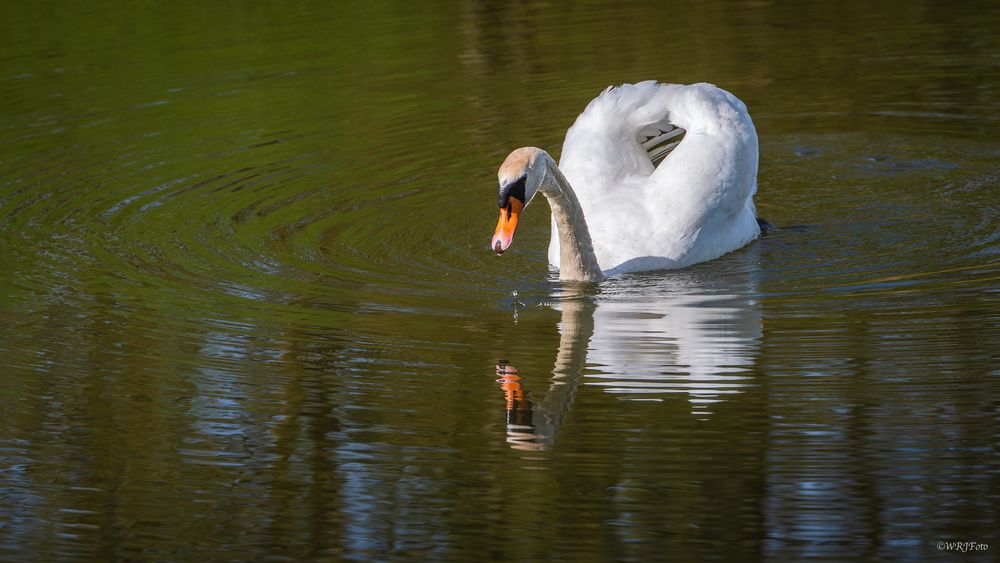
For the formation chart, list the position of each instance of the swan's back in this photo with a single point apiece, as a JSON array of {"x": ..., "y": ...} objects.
[{"x": 695, "y": 205}]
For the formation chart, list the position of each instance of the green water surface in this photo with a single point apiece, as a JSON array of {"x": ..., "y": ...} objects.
[{"x": 248, "y": 312}]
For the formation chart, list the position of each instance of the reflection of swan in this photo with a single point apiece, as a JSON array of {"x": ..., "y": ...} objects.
[
  {"x": 695, "y": 333},
  {"x": 701, "y": 345},
  {"x": 664, "y": 173},
  {"x": 533, "y": 426}
]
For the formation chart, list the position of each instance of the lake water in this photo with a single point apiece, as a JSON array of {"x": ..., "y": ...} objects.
[{"x": 249, "y": 313}]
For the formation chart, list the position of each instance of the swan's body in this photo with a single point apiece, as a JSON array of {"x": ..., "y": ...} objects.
[{"x": 613, "y": 210}]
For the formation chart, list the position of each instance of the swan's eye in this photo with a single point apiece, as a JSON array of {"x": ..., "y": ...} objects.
[{"x": 513, "y": 189}]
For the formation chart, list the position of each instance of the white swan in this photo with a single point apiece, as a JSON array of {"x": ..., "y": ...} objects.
[{"x": 614, "y": 209}]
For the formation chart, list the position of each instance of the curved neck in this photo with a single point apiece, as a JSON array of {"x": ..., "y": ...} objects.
[{"x": 577, "y": 261}]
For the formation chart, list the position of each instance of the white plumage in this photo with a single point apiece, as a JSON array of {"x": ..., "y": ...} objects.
[{"x": 695, "y": 205}]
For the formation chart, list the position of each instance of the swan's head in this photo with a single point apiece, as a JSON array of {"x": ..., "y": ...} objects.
[{"x": 520, "y": 175}]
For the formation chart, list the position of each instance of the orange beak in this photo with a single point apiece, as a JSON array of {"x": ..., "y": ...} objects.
[{"x": 506, "y": 226}]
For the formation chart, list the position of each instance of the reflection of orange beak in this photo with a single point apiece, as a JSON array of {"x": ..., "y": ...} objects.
[{"x": 506, "y": 226}]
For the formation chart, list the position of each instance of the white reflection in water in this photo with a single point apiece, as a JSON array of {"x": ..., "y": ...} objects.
[
  {"x": 699, "y": 345},
  {"x": 645, "y": 338}
]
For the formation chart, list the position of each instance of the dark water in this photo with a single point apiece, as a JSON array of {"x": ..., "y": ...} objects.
[{"x": 248, "y": 311}]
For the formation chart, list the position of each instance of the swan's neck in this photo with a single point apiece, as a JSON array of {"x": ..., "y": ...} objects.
[{"x": 577, "y": 261}]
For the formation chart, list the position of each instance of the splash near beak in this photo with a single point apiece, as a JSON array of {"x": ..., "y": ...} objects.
[{"x": 506, "y": 226}]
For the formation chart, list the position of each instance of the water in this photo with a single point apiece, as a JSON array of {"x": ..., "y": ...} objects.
[{"x": 249, "y": 311}]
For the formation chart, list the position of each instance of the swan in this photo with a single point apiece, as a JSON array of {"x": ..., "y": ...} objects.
[{"x": 652, "y": 176}]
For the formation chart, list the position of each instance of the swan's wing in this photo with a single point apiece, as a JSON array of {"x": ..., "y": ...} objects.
[
  {"x": 608, "y": 155},
  {"x": 714, "y": 170},
  {"x": 622, "y": 134}
]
